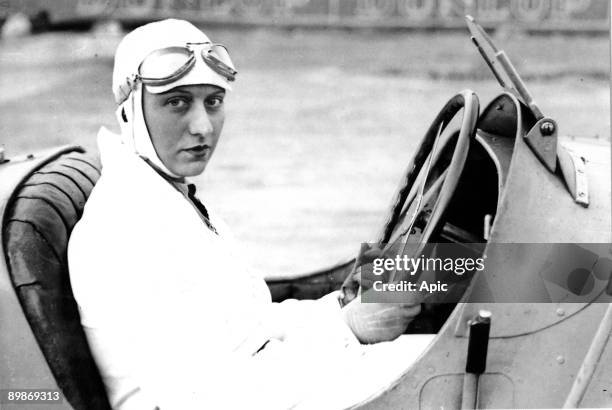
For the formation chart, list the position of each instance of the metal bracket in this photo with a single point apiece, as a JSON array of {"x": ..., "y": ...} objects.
[
  {"x": 542, "y": 139},
  {"x": 573, "y": 168}
]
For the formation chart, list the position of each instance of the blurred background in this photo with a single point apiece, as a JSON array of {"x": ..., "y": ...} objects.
[{"x": 331, "y": 99}]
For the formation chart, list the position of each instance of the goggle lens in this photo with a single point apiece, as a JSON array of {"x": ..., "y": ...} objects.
[
  {"x": 166, "y": 63},
  {"x": 219, "y": 60}
]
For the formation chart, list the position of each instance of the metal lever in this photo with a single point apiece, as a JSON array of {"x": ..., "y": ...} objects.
[
  {"x": 476, "y": 363},
  {"x": 542, "y": 137}
]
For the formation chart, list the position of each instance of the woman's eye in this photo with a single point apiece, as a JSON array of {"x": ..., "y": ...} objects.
[
  {"x": 177, "y": 103},
  {"x": 214, "y": 102}
]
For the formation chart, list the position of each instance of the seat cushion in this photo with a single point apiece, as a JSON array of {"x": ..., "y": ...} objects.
[{"x": 40, "y": 218}]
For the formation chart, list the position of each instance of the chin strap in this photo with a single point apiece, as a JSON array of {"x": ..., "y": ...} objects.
[{"x": 134, "y": 131}]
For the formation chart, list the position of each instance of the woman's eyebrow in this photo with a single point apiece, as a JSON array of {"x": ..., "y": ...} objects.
[{"x": 174, "y": 91}]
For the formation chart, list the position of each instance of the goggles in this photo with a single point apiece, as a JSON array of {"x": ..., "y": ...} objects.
[{"x": 167, "y": 65}]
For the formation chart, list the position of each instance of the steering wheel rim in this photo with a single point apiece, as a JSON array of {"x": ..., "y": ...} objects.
[{"x": 466, "y": 99}]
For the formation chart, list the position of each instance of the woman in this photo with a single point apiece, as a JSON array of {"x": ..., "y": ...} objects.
[{"x": 173, "y": 316}]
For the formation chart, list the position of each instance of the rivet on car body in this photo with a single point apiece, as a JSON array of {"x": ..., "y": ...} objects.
[
  {"x": 560, "y": 312},
  {"x": 547, "y": 128},
  {"x": 560, "y": 359}
]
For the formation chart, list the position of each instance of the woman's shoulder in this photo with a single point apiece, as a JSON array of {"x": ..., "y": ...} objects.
[{"x": 114, "y": 210}]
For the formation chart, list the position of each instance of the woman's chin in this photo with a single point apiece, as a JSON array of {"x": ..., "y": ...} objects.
[{"x": 190, "y": 169}]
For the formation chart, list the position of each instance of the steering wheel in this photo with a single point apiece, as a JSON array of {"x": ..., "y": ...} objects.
[{"x": 445, "y": 185}]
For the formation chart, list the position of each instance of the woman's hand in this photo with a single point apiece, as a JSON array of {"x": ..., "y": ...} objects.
[
  {"x": 379, "y": 322},
  {"x": 361, "y": 274}
]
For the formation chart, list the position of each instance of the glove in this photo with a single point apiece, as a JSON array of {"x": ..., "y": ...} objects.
[
  {"x": 379, "y": 322},
  {"x": 356, "y": 279}
]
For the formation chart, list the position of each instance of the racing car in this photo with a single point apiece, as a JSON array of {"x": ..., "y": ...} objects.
[{"x": 503, "y": 177}]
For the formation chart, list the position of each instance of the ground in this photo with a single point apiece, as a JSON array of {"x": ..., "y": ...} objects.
[{"x": 320, "y": 125}]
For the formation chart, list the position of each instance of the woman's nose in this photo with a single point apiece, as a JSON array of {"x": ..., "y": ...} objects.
[{"x": 200, "y": 124}]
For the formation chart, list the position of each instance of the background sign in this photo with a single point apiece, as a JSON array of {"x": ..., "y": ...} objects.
[{"x": 575, "y": 15}]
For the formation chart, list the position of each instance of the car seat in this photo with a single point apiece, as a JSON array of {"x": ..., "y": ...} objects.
[{"x": 38, "y": 222}]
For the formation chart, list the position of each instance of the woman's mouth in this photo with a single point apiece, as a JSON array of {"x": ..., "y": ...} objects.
[{"x": 198, "y": 150}]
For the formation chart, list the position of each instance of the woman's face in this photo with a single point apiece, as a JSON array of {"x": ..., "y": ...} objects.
[{"x": 185, "y": 124}]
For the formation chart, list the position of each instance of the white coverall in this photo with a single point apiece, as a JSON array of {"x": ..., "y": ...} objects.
[{"x": 174, "y": 316}]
